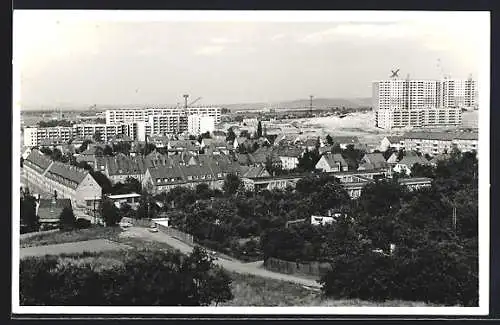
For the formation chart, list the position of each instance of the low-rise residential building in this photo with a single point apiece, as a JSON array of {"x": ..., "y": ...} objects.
[
  {"x": 121, "y": 167},
  {"x": 407, "y": 162},
  {"x": 213, "y": 146},
  {"x": 211, "y": 170},
  {"x": 395, "y": 142},
  {"x": 434, "y": 143},
  {"x": 331, "y": 162},
  {"x": 393, "y": 159},
  {"x": 288, "y": 156},
  {"x": 188, "y": 146},
  {"x": 344, "y": 141},
  {"x": 49, "y": 211},
  {"x": 372, "y": 161},
  {"x": 76, "y": 184}
]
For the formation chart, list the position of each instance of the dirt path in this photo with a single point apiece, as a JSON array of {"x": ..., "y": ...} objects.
[
  {"x": 254, "y": 268},
  {"x": 96, "y": 245}
]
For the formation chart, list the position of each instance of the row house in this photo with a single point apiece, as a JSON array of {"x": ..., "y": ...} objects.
[
  {"x": 121, "y": 167},
  {"x": 434, "y": 143},
  {"x": 169, "y": 174},
  {"x": 71, "y": 182}
]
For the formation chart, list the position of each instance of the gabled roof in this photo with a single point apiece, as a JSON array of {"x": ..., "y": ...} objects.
[
  {"x": 215, "y": 143},
  {"x": 373, "y": 161},
  {"x": 245, "y": 159},
  {"x": 395, "y": 139},
  {"x": 255, "y": 172},
  {"x": 393, "y": 158},
  {"x": 66, "y": 174},
  {"x": 333, "y": 158},
  {"x": 184, "y": 144},
  {"x": 288, "y": 151},
  {"x": 260, "y": 155},
  {"x": 38, "y": 159},
  {"x": 410, "y": 160},
  {"x": 121, "y": 138},
  {"x": 124, "y": 165}
]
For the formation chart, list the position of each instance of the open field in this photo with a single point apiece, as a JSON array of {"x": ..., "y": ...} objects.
[
  {"x": 60, "y": 237},
  {"x": 95, "y": 245},
  {"x": 249, "y": 290}
]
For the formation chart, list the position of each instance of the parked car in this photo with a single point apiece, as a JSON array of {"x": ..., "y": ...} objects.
[{"x": 153, "y": 229}]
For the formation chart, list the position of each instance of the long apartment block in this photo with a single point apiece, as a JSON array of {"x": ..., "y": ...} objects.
[{"x": 400, "y": 103}]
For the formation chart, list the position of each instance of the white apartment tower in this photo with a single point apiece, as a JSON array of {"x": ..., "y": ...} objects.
[
  {"x": 143, "y": 114},
  {"x": 400, "y": 103},
  {"x": 198, "y": 124},
  {"x": 33, "y": 135}
]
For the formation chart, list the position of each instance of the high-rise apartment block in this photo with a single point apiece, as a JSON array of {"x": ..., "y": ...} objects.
[
  {"x": 142, "y": 114},
  {"x": 198, "y": 124},
  {"x": 400, "y": 103}
]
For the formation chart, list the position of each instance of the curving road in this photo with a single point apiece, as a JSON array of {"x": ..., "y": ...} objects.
[{"x": 254, "y": 268}]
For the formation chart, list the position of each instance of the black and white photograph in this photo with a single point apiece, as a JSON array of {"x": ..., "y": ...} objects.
[{"x": 251, "y": 162}]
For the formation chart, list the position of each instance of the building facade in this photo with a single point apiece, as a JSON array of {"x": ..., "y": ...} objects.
[
  {"x": 434, "y": 143},
  {"x": 34, "y": 135},
  {"x": 142, "y": 114},
  {"x": 70, "y": 182},
  {"x": 400, "y": 103},
  {"x": 198, "y": 124}
]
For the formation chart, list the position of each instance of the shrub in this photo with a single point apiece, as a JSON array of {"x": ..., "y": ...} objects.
[
  {"x": 145, "y": 278},
  {"x": 82, "y": 223},
  {"x": 436, "y": 272}
]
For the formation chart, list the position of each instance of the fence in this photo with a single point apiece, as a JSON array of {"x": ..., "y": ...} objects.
[
  {"x": 141, "y": 222},
  {"x": 312, "y": 268},
  {"x": 182, "y": 236}
]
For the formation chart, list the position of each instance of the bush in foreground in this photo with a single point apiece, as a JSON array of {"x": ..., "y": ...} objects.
[{"x": 145, "y": 278}]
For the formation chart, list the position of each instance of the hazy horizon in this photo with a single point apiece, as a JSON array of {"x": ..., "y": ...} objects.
[{"x": 80, "y": 62}]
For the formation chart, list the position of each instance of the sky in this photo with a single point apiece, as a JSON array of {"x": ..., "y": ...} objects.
[{"x": 86, "y": 58}]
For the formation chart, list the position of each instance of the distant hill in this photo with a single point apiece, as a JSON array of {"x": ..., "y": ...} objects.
[
  {"x": 292, "y": 104},
  {"x": 304, "y": 103}
]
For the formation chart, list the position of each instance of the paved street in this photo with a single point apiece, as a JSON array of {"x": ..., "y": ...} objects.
[{"x": 254, "y": 268}]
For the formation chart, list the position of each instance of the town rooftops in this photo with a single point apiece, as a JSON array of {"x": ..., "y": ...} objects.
[
  {"x": 410, "y": 160},
  {"x": 287, "y": 151},
  {"x": 69, "y": 175},
  {"x": 333, "y": 158},
  {"x": 395, "y": 138},
  {"x": 373, "y": 161},
  {"x": 38, "y": 159},
  {"x": 256, "y": 172},
  {"x": 124, "y": 165}
]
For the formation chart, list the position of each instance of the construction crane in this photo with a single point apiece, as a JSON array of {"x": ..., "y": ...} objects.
[
  {"x": 186, "y": 96},
  {"x": 194, "y": 101},
  {"x": 395, "y": 73}
]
